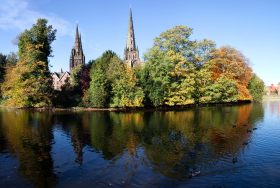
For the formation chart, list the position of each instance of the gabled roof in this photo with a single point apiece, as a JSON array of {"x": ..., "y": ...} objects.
[
  {"x": 65, "y": 74},
  {"x": 60, "y": 75},
  {"x": 55, "y": 74}
]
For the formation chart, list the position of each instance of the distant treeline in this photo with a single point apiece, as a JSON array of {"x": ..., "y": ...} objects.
[{"x": 176, "y": 71}]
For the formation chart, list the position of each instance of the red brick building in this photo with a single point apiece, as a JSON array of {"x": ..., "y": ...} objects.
[{"x": 273, "y": 89}]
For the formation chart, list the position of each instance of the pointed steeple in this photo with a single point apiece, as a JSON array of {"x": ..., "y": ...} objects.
[
  {"x": 77, "y": 55},
  {"x": 130, "y": 43},
  {"x": 80, "y": 43},
  {"x": 131, "y": 54},
  {"x": 77, "y": 39}
]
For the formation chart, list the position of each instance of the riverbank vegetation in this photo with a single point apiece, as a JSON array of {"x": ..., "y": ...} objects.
[{"x": 176, "y": 71}]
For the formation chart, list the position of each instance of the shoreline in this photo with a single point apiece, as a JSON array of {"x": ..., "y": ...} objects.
[
  {"x": 271, "y": 98},
  {"x": 128, "y": 109}
]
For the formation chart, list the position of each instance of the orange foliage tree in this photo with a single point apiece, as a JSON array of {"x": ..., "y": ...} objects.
[{"x": 231, "y": 63}]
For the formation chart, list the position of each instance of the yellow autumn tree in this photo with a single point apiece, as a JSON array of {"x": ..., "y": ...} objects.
[{"x": 29, "y": 83}]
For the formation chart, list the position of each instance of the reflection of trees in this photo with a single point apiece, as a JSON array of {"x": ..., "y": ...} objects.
[
  {"x": 3, "y": 142},
  {"x": 201, "y": 136},
  {"x": 173, "y": 142},
  {"x": 76, "y": 126},
  {"x": 113, "y": 133},
  {"x": 257, "y": 113},
  {"x": 30, "y": 137}
]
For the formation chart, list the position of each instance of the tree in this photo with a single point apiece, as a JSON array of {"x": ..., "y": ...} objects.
[
  {"x": 6, "y": 61},
  {"x": 99, "y": 90},
  {"x": 70, "y": 94},
  {"x": 11, "y": 60},
  {"x": 182, "y": 81},
  {"x": 125, "y": 91},
  {"x": 223, "y": 90},
  {"x": 257, "y": 88},
  {"x": 203, "y": 82},
  {"x": 3, "y": 61},
  {"x": 177, "y": 39},
  {"x": 113, "y": 84},
  {"x": 229, "y": 62},
  {"x": 75, "y": 90},
  {"x": 29, "y": 83},
  {"x": 170, "y": 74}
]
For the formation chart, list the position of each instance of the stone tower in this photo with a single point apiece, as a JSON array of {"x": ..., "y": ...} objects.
[
  {"x": 131, "y": 53},
  {"x": 77, "y": 56}
]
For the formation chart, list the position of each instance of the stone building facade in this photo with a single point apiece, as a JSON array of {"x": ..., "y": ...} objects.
[
  {"x": 60, "y": 79},
  {"x": 131, "y": 53},
  {"x": 77, "y": 57}
]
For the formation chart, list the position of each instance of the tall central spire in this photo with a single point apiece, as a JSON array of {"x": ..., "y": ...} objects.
[
  {"x": 131, "y": 54},
  {"x": 77, "y": 40},
  {"x": 130, "y": 43}
]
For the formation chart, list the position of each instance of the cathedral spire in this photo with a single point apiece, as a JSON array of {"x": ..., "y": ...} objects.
[
  {"x": 131, "y": 54},
  {"x": 77, "y": 39},
  {"x": 80, "y": 39},
  {"x": 77, "y": 55},
  {"x": 130, "y": 43}
]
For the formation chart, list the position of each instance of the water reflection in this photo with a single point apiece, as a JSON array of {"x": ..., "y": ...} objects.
[
  {"x": 169, "y": 144},
  {"x": 273, "y": 107},
  {"x": 28, "y": 136}
]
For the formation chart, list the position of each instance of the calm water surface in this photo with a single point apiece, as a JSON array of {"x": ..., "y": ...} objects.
[{"x": 145, "y": 149}]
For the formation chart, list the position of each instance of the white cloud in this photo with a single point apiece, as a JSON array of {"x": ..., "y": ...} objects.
[{"x": 18, "y": 14}]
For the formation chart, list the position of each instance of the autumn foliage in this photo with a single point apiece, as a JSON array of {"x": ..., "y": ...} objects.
[
  {"x": 177, "y": 70},
  {"x": 229, "y": 62}
]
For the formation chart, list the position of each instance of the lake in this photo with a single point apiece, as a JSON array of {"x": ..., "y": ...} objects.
[{"x": 231, "y": 146}]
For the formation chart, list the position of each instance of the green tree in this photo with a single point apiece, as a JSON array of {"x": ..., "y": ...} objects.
[
  {"x": 125, "y": 90},
  {"x": 113, "y": 83},
  {"x": 257, "y": 88},
  {"x": 99, "y": 90},
  {"x": 76, "y": 75},
  {"x": 3, "y": 60},
  {"x": 29, "y": 83},
  {"x": 223, "y": 90},
  {"x": 170, "y": 74},
  {"x": 6, "y": 61},
  {"x": 202, "y": 83},
  {"x": 181, "y": 87},
  {"x": 11, "y": 60},
  {"x": 75, "y": 91}
]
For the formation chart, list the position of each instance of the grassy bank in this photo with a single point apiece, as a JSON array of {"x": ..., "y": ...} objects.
[
  {"x": 130, "y": 109},
  {"x": 271, "y": 98}
]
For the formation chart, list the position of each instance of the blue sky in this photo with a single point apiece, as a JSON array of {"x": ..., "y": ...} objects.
[{"x": 251, "y": 26}]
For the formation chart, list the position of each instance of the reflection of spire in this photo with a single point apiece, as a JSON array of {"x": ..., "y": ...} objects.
[
  {"x": 132, "y": 144},
  {"x": 78, "y": 146},
  {"x": 132, "y": 162}
]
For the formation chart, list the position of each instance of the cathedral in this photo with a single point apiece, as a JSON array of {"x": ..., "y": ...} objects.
[{"x": 77, "y": 57}]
